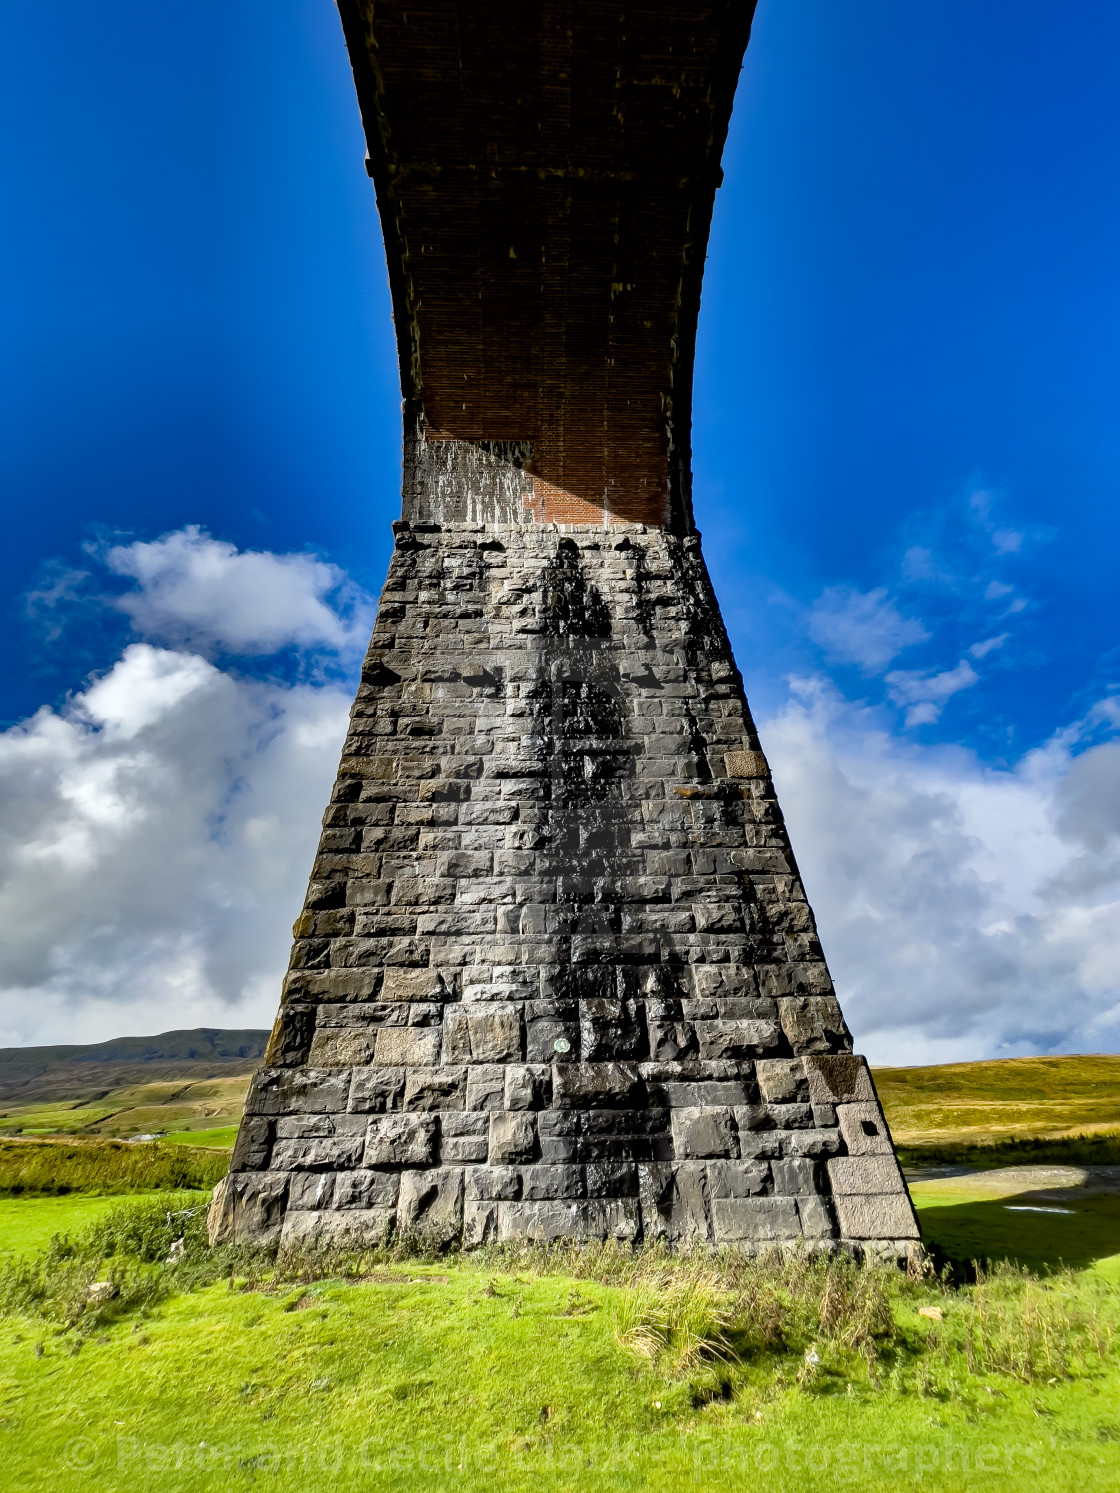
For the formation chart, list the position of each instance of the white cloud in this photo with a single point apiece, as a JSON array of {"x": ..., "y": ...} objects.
[
  {"x": 203, "y": 593},
  {"x": 925, "y": 694},
  {"x": 156, "y": 832},
  {"x": 966, "y": 911},
  {"x": 995, "y": 589},
  {"x": 989, "y": 645},
  {"x": 157, "y": 835},
  {"x": 862, "y": 627}
]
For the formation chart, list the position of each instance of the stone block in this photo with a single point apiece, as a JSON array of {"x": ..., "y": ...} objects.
[
  {"x": 610, "y": 1030},
  {"x": 811, "y": 1143},
  {"x": 336, "y": 1047},
  {"x": 513, "y": 1137},
  {"x": 703, "y": 1132},
  {"x": 734, "y": 1039},
  {"x": 744, "y": 764},
  {"x": 465, "y": 1122},
  {"x": 435, "y": 1088},
  {"x": 461, "y": 1149},
  {"x": 816, "y": 1218},
  {"x": 480, "y": 1223},
  {"x": 375, "y": 1091},
  {"x": 332, "y": 1152},
  {"x": 542, "y": 1182},
  {"x": 856, "y": 1174},
  {"x": 305, "y": 1127},
  {"x": 794, "y": 1175},
  {"x": 403, "y": 983},
  {"x": 482, "y": 1036},
  {"x": 672, "y": 1041},
  {"x": 253, "y": 1145},
  {"x": 362, "y": 1014},
  {"x": 592, "y": 1219},
  {"x": 248, "y": 1208},
  {"x": 282, "y": 1091},
  {"x": 766, "y": 1220},
  {"x": 366, "y": 1189},
  {"x": 401, "y": 1140},
  {"x": 486, "y": 1087},
  {"x": 431, "y": 1204},
  {"x": 424, "y": 1013},
  {"x": 790, "y": 1116},
  {"x": 493, "y": 1183},
  {"x": 543, "y": 1031},
  {"x": 839, "y": 1077},
  {"x": 333, "y": 984},
  {"x": 674, "y": 1201},
  {"x": 310, "y": 1190},
  {"x": 611, "y": 1179},
  {"x": 291, "y": 1036},
  {"x": 887, "y": 1215},
  {"x": 596, "y": 1085},
  {"x": 356, "y": 1227},
  {"x": 408, "y": 1046},
  {"x": 739, "y": 1179},
  {"x": 527, "y": 1086},
  {"x": 814, "y": 1024},
  {"x": 782, "y": 1080},
  {"x": 864, "y": 1130}
]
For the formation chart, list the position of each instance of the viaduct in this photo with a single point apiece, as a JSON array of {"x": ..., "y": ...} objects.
[{"x": 555, "y": 975}]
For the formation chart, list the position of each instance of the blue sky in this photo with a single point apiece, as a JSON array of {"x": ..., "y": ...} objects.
[{"x": 906, "y": 461}]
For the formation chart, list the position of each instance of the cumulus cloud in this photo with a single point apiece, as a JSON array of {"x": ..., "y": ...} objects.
[
  {"x": 862, "y": 627},
  {"x": 157, "y": 830},
  {"x": 966, "y": 910},
  {"x": 202, "y": 593}
]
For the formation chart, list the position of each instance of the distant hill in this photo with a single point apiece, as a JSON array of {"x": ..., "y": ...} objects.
[
  {"x": 34, "y": 1075},
  {"x": 1002, "y": 1099}
]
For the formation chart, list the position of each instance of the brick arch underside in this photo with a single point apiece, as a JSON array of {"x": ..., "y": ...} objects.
[{"x": 545, "y": 176}]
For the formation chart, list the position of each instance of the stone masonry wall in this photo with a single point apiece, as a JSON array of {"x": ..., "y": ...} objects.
[{"x": 556, "y": 975}]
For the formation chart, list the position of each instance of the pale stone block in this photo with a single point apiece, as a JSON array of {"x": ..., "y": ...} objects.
[
  {"x": 408, "y": 1046},
  {"x": 856, "y": 1174},
  {"x": 864, "y": 1129},
  {"x": 401, "y": 1140},
  {"x": 876, "y": 1216}
]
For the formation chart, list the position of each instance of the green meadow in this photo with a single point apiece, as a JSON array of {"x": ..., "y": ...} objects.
[{"x": 595, "y": 1368}]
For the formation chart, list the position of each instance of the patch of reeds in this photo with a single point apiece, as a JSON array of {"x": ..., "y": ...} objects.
[
  {"x": 1070, "y": 1150},
  {"x": 53, "y": 1168}
]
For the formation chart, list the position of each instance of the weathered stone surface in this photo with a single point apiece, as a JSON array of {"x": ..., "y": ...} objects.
[
  {"x": 865, "y": 1174},
  {"x": 594, "y": 1219},
  {"x": 431, "y": 1203},
  {"x": 703, "y": 1132},
  {"x": 513, "y": 1137},
  {"x": 355, "y": 1227},
  {"x": 401, "y": 1140},
  {"x": 876, "y": 1216},
  {"x": 755, "y": 1220},
  {"x": 248, "y": 1205}
]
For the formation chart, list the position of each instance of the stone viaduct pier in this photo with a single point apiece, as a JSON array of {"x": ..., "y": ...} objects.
[{"x": 556, "y": 975}]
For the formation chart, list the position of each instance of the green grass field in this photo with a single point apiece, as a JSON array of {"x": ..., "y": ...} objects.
[
  {"x": 180, "y": 1106},
  {"x": 593, "y": 1370},
  {"x": 588, "y": 1370}
]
